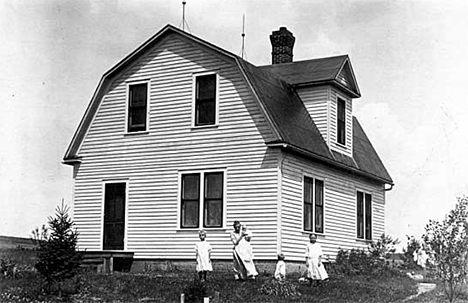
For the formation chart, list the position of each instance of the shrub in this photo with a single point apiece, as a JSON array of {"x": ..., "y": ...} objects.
[
  {"x": 411, "y": 246},
  {"x": 281, "y": 289},
  {"x": 447, "y": 243},
  {"x": 384, "y": 246},
  {"x": 360, "y": 262},
  {"x": 57, "y": 257},
  {"x": 8, "y": 268}
]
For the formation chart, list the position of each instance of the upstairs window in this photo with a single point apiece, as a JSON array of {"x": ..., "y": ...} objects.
[
  {"x": 205, "y": 100},
  {"x": 341, "y": 123},
  {"x": 364, "y": 216},
  {"x": 137, "y": 107},
  {"x": 313, "y": 205},
  {"x": 202, "y": 199}
]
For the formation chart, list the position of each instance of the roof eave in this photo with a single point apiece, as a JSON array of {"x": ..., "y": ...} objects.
[
  {"x": 310, "y": 154},
  {"x": 354, "y": 94},
  {"x": 71, "y": 161}
]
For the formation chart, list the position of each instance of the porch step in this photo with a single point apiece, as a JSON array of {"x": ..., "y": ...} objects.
[{"x": 107, "y": 261}]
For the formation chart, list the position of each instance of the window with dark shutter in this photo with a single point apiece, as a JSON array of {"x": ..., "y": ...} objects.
[
  {"x": 213, "y": 200},
  {"x": 318, "y": 206},
  {"x": 205, "y": 100},
  {"x": 190, "y": 200},
  {"x": 137, "y": 107},
  {"x": 313, "y": 205},
  {"x": 341, "y": 125},
  {"x": 364, "y": 215},
  {"x": 360, "y": 215},
  {"x": 368, "y": 201},
  {"x": 308, "y": 203}
]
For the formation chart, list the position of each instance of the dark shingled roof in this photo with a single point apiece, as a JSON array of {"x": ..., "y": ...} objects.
[
  {"x": 286, "y": 110},
  {"x": 296, "y": 128},
  {"x": 315, "y": 70}
]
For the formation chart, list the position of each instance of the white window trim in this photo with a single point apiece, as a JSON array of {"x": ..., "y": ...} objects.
[
  {"x": 202, "y": 173},
  {"x": 364, "y": 192},
  {"x": 127, "y": 104},
  {"x": 194, "y": 89},
  {"x": 103, "y": 199},
  {"x": 323, "y": 179}
]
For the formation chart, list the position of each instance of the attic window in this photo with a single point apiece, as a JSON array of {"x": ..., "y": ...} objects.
[
  {"x": 137, "y": 107},
  {"x": 205, "y": 99},
  {"x": 341, "y": 123}
]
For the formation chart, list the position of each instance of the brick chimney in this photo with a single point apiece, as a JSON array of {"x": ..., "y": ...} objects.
[{"x": 282, "y": 43}]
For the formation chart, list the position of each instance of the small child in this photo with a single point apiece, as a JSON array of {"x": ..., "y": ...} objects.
[
  {"x": 280, "y": 273},
  {"x": 203, "y": 255},
  {"x": 247, "y": 255}
]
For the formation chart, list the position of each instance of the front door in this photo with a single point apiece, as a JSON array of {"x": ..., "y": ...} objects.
[{"x": 114, "y": 216}]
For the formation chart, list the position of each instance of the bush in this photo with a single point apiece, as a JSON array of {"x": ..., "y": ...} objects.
[
  {"x": 281, "y": 289},
  {"x": 411, "y": 246},
  {"x": 57, "y": 257},
  {"x": 8, "y": 268},
  {"x": 360, "y": 262}
]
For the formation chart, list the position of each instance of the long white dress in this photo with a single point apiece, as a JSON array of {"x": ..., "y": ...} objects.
[
  {"x": 315, "y": 270},
  {"x": 246, "y": 254},
  {"x": 238, "y": 265},
  {"x": 203, "y": 250}
]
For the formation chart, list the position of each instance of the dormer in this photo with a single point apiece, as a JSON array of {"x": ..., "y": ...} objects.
[{"x": 326, "y": 86}]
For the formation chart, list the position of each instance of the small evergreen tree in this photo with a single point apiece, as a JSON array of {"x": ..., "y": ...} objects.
[
  {"x": 57, "y": 256},
  {"x": 447, "y": 242}
]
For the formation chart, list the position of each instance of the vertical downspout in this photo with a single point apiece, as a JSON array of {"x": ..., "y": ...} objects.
[{"x": 279, "y": 203}]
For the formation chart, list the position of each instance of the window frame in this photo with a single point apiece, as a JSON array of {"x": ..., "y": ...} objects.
[
  {"x": 127, "y": 106},
  {"x": 314, "y": 207},
  {"x": 365, "y": 233},
  {"x": 341, "y": 123},
  {"x": 202, "y": 197},
  {"x": 194, "y": 100}
]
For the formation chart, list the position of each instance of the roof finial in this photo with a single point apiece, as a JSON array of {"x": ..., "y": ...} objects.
[
  {"x": 184, "y": 22},
  {"x": 243, "y": 53}
]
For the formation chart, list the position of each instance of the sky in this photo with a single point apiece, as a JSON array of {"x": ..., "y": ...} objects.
[{"x": 409, "y": 57}]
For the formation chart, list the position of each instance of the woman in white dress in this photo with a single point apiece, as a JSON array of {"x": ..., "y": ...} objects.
[
  {"x": 237, "y": 237},
  {"x": 203, "y": 255},
  {"x": 315, "y": 270}
]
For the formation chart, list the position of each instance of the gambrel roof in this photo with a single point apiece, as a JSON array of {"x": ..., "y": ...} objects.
[{"x": 274, "y": 89}]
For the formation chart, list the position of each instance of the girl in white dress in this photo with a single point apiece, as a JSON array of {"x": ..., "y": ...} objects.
[
  {"x": 315, "y": 269},
  {"x": 246, "y": 253},
  {"x": 203, "y": 255}
]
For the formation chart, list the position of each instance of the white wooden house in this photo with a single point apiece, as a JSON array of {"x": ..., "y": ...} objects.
[{"x": 182, "y": 135}]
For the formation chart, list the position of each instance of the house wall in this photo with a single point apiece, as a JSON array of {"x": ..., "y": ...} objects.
[
  {"x": 150, "y": 162},
  {"x": 316, "y": 101},
  {"x": 321, "y": 103},
  {"x": 339, "y": 208}
]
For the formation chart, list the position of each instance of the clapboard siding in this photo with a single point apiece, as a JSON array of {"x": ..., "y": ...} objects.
[
  {"x": 150, "y": 162},
  {"x": 339, "y": 207},
  {"x": 347, "y": 149},
  {"x": 316, "y": 101}
]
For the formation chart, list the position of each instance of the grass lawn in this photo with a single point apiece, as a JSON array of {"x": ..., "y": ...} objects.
[{"x": 167, "y": 287}]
